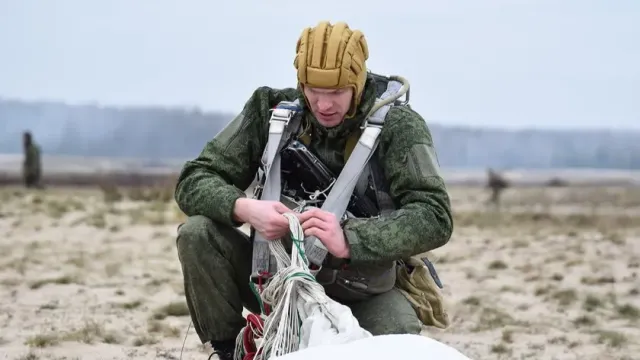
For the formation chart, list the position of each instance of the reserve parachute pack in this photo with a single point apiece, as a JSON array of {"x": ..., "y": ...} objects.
[{"x": 284, "y": 122}]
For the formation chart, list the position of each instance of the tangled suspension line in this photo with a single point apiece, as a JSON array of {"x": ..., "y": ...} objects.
[{"x": 293, "y": 293}]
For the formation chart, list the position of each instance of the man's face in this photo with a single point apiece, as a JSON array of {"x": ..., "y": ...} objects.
[{"x": 329, "y": 106}]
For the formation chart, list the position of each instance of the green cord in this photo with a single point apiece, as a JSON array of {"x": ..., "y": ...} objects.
[{"x": 252, "y": 285}]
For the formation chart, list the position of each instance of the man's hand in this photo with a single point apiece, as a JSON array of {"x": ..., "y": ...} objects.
[
  {"x": 326, "y": 227},
  {"x": 264, "y": 216}
]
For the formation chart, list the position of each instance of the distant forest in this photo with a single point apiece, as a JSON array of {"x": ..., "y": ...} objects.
[{"x": 157, "y": 133}]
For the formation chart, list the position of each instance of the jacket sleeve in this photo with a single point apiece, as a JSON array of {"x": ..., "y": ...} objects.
[
  {"x": 423, "y": 220},
  {"x": 210, "y": 184}
]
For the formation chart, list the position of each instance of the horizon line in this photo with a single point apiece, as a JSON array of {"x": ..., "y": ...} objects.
[{"x": 185, "y": 107}]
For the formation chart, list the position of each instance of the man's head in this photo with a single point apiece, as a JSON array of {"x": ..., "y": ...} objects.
[
  {"x": 26, "y": 138},
  {"x": 330, "y": 60}
]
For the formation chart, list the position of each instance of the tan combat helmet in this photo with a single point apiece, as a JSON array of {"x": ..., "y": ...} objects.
[{"x": 333, "y": 57}]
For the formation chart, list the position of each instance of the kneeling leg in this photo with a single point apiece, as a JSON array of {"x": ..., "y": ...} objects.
[
  {"x": 216, "y": 265},
  {"x": 387, "y": 313}
]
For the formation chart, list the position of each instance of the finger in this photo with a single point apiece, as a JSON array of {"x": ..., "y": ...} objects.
[
  {"x": 279, "y": 231},
  {"x": 304, "y": 216},
  {"x": 315, "y": 222},
  {"x": 276, "y": 235},
  {"x": 317, "y": 232},
  {"x": 322, "y": 215},
  {"x": 281, "y": 208},
  {"x": 280, "y": 222},
  {"x": 279, "y": 219},
  {"x": 311, "y": 213}
]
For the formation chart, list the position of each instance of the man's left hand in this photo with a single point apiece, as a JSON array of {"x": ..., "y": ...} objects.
[{"x": 326, "y": 227}]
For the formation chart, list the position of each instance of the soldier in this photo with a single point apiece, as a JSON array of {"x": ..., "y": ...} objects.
[
  {"x": 336, "y": 93},
  {"x": 496, "y": 183},
  {"x": 32, "y": 166}
]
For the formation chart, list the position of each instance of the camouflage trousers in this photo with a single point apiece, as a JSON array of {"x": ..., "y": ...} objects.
[
  {"x": 216, "y": 265},
  {"x": 31, "y": 180}
]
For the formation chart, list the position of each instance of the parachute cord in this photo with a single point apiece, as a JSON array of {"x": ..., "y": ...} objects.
[
  {"x": 185, "y": 338},
  {"x": 287, "y": 292}
]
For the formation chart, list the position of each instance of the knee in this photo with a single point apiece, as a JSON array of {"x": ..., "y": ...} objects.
[
  {"x": 194, "y": 234},
  {"x": 408, "y": 321},
  {"x": 410, "y": 325},
  {"x": 401, "y": 325},
  {"x": 195, "y": 226},
  {"x": 400, "y": 317}
]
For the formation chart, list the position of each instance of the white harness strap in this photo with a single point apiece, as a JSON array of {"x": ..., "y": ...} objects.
[
  {"x": 340, "y": 194},
  {"x": 282, "y": 121}
]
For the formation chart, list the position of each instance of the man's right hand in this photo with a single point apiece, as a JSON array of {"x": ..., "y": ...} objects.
[{"x": 264, "y": 216}]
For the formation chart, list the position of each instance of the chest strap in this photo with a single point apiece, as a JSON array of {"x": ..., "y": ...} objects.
[{"x": 282, "y": 124}]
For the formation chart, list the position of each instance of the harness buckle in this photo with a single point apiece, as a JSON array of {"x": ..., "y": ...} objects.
[{"x": 283, "y": 112}]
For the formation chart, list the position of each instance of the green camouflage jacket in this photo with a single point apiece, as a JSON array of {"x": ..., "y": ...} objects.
[
  {"x": 210, "y": 184},
  {"x": 32, "y": 162}
]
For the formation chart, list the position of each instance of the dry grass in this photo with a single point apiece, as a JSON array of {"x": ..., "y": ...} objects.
[
  {"x": 551, "y": 273},
  {"x": 93, "y": 273}
]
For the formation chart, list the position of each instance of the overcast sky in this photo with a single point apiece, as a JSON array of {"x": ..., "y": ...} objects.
[{"x": 518, "y": 63}]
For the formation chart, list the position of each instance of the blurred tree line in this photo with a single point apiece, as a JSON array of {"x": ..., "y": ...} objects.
[{"x": 159, "y": 133}]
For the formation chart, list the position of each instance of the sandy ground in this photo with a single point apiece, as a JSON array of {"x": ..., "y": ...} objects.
[{"x": 552, "y": 275}]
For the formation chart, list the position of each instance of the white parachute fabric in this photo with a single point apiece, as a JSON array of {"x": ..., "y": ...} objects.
[
  {"x": 303, "y": 315},
  {"x": 331, "y": 323},
  {"x": 381, "y": 347}
]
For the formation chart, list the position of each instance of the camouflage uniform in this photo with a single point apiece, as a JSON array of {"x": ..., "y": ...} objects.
[
  {"x": 31, "y": 168},
  {"x": 216, "y": 257}
]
